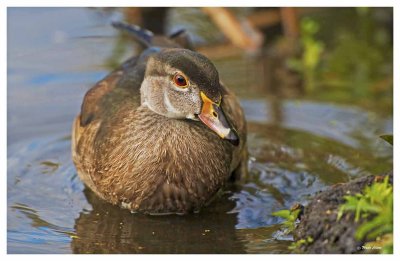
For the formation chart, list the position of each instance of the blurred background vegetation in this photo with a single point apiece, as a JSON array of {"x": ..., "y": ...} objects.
[
  {"x": 341, "y": 55},
  {"x": 316, "y": 85}
]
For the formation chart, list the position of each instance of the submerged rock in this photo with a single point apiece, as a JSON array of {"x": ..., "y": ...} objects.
[{"x": 319, "y": 220}]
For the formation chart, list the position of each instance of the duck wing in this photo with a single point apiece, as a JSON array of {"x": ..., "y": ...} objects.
[
  {"x": 100, "y": 106},
  {"x": 235, "y": 115}
]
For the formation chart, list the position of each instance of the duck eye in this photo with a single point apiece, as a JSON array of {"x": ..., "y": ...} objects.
[{"x": 180, "y": 80}]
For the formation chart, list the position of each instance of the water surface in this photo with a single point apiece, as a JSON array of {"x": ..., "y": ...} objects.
[{"x": 297, "y": 148}]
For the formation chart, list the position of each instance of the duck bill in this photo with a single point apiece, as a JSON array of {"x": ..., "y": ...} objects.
[{"x": 213, "y": 116}]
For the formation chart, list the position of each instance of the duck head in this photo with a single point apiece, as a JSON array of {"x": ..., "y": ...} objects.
[{"x": 182, "y": 84}]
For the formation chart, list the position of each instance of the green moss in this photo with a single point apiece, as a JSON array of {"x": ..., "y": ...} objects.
[
  {"x": 295, "y": 246},
  {"x": 290, "y": 217},
  {"x": 375, "y": 205}
]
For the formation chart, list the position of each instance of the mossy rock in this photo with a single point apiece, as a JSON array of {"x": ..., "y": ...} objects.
[{"x": 319, "y": 220}]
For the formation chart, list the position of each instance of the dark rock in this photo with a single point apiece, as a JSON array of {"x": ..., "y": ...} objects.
[{"x": 319, "y": 220}]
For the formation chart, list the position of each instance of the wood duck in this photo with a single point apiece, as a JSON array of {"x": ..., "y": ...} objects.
[{"x": 161, "y": 134}]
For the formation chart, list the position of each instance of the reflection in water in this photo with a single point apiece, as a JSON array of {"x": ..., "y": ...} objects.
[
  {"x": 297, "y": 149},
  {"x": 49, "y": 167},
  {"x": 38, "y": 222},
  {"x": 109, "y": 229},
  {"x": 288, "y": 165},
  {"x": 264, "y": 240}
]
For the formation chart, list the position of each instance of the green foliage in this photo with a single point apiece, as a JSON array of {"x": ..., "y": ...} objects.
[
  {"x": 354, "y": 66},
  {"x": 375, "y": 203},
  {"x": 311, "y": 56},
  {"x": 388, "y": 138},
  {"x": 387, "y": 242},
  {"x": 296, "y": 245},
  {"x": 290, "y": 217},
  {"x": 358, "y": 66},
  {"x": 349, "y": 64}
]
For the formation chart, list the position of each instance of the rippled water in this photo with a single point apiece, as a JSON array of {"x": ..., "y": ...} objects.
[{"x": 297, "y": 148}]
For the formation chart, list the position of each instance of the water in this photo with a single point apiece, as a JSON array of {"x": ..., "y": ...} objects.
[{"x": 297, "y": 148}]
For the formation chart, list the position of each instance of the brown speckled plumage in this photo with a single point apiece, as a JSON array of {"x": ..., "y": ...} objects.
[{"x": 134, "y": 157}]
